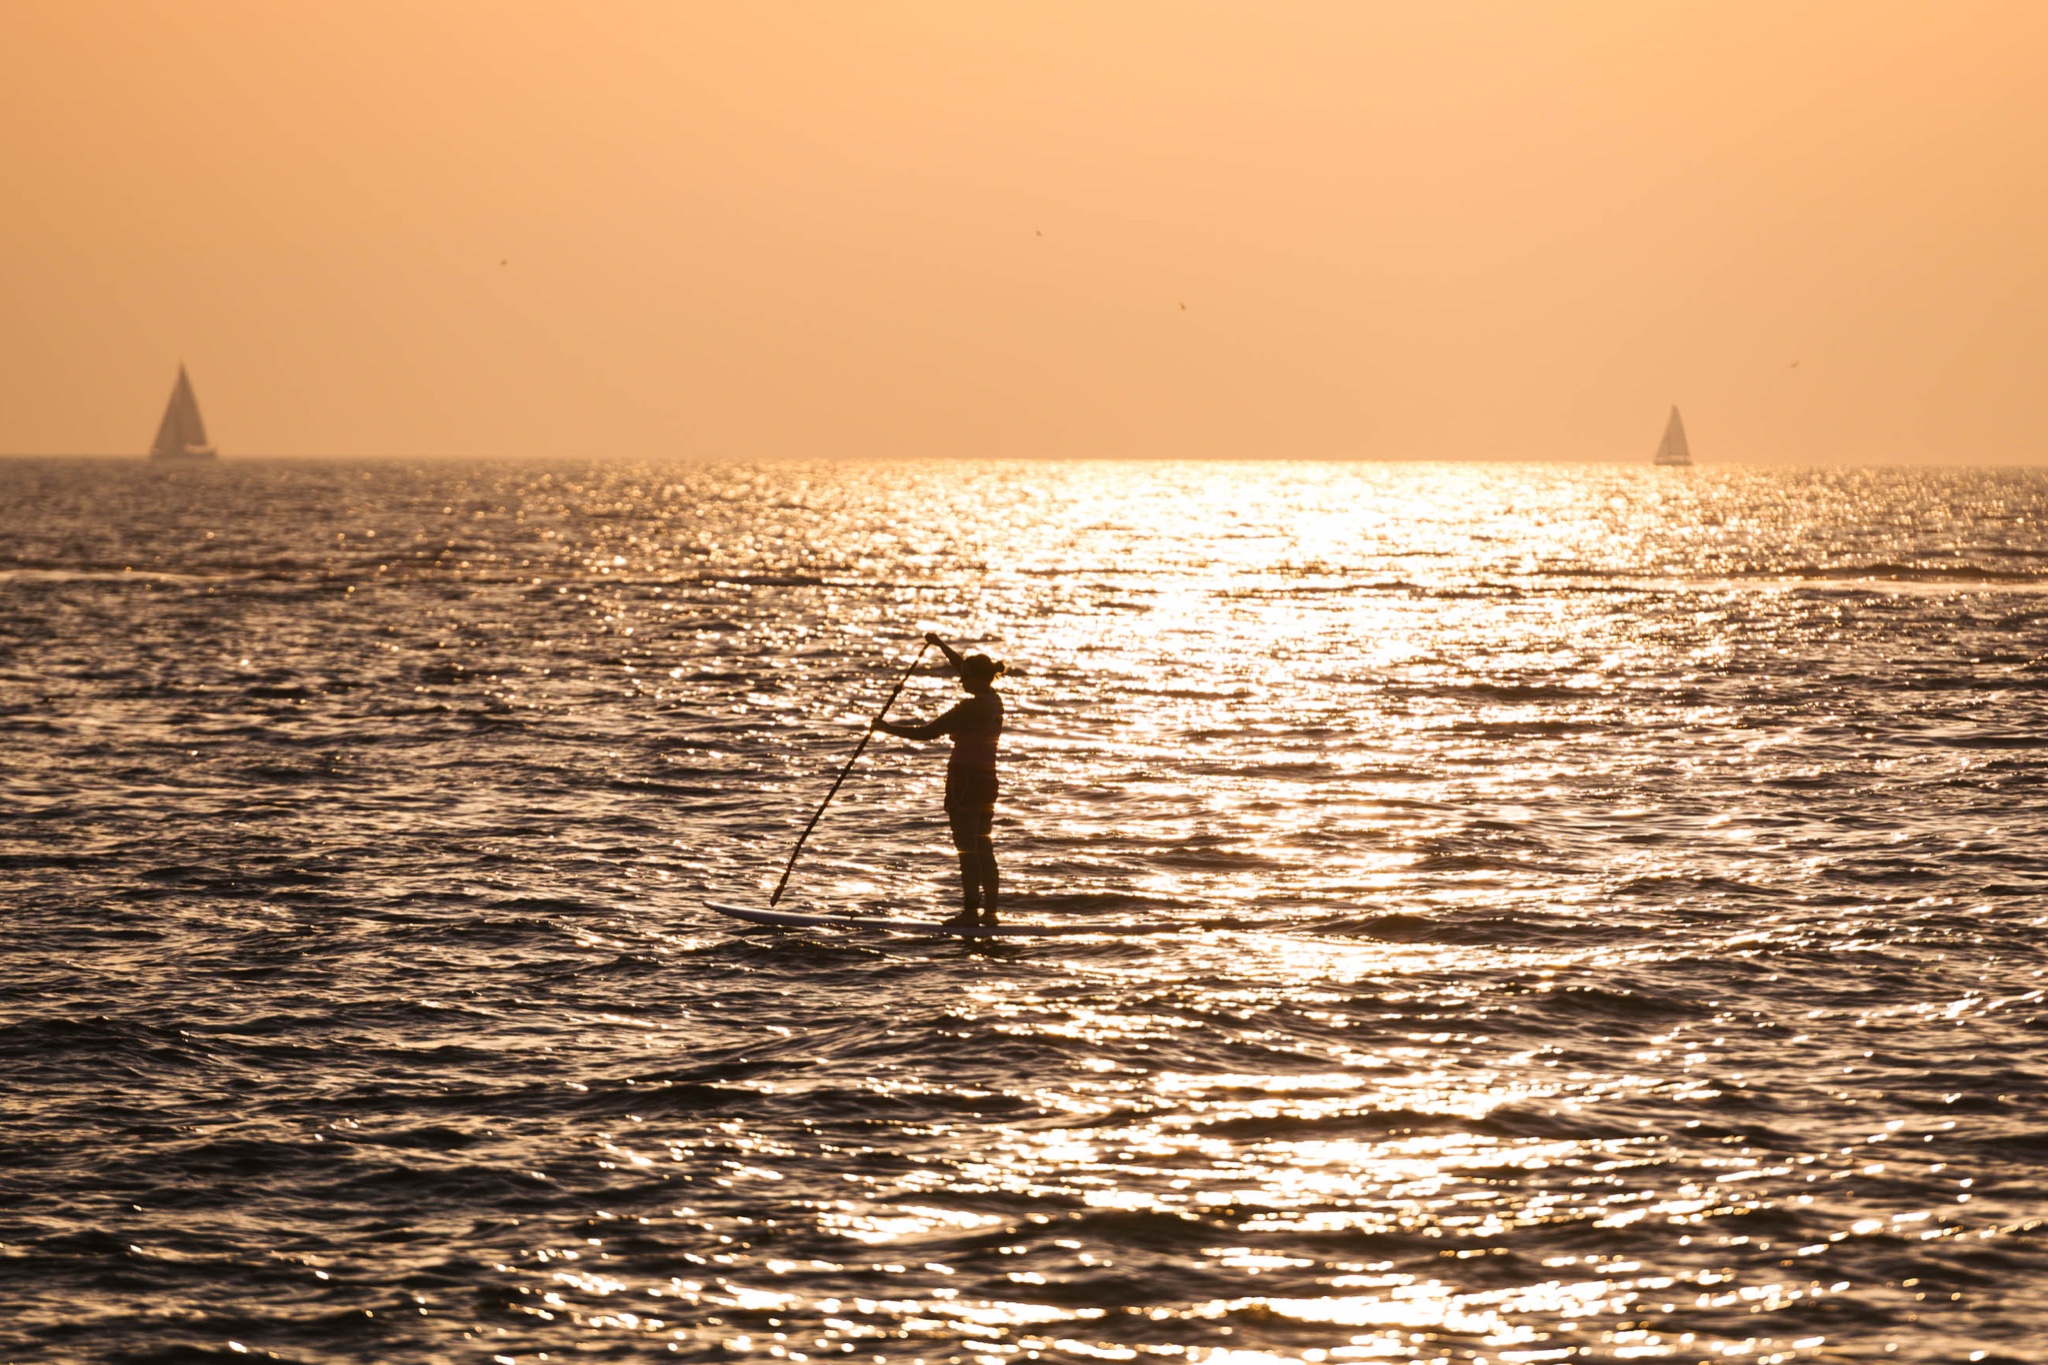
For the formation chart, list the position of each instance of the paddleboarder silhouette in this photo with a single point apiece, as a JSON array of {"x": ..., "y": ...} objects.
[{"x": 975, "y": 725}]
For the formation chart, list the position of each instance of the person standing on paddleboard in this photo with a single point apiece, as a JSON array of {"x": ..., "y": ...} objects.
[{"x": 975, "y": 725}]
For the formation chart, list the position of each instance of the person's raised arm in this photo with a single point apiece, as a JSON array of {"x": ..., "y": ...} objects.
[{"x": 931, "y": 637}]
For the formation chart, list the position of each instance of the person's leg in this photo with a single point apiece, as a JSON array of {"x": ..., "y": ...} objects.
[
  {"x": 972, "y": 831},
  {"x": 985, "y": 857},
  {"x": 970, "y": 880},
  {"x": 970, "y": 868}
]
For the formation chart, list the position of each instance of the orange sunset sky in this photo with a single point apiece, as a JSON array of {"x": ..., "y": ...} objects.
[{"x": 1435, "y": 229}]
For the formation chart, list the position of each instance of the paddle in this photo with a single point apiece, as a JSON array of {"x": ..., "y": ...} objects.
[{"x": 858, "y": 750}]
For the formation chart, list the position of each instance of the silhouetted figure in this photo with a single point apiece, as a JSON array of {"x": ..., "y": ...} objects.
[{"x": 975, "y": 725}]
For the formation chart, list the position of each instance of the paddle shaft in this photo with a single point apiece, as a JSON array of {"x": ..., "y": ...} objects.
[{"x": 858, "y": 750}]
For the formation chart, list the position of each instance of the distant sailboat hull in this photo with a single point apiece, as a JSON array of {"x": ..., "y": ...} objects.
[
  {"x": 182, "y": 433},
  {"x": 1673, "y": 450}
]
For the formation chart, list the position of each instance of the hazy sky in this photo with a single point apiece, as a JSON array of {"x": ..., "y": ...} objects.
[{"x": 650, "y": 227}]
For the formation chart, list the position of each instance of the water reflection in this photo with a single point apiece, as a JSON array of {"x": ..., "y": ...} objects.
[{"x": 1610, "y": 907}]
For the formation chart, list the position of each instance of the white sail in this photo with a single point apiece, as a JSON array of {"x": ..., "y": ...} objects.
[
  {"x": 182, "y": 433},
  {"x": 1673, "y": 449}
]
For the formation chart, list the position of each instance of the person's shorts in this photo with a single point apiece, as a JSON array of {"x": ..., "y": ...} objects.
[{"x": 971, "y": 819}]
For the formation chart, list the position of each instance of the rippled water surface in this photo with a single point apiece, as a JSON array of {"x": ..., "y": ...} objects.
[{"x": 1612, "y": 904}]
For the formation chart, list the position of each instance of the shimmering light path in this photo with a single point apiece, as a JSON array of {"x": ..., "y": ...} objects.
[{"x": 1613, "y": 906}]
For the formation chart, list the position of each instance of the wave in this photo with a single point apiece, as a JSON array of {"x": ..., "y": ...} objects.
[{"x": 1892, "y": 571}]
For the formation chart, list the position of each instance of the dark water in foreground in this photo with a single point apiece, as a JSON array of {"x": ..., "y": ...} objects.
[{"x": 1613, "y": 906}]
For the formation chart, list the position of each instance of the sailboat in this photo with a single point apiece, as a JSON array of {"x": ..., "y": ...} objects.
[
  {"x": 1673, "y": 449},
  {"x": 182, "y": 433}
]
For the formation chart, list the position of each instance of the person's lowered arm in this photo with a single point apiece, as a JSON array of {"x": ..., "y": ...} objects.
[{"x": 931, "y": 729}]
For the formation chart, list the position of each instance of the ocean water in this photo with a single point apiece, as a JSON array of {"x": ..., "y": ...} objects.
[{"x": 1612, "y": 905}]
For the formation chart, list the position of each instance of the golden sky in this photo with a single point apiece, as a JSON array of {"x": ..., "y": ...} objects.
[{"x": 1441, "y": 228}]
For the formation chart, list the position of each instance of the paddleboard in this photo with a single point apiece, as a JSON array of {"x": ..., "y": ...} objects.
[{"x": 784, "y": 919}]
